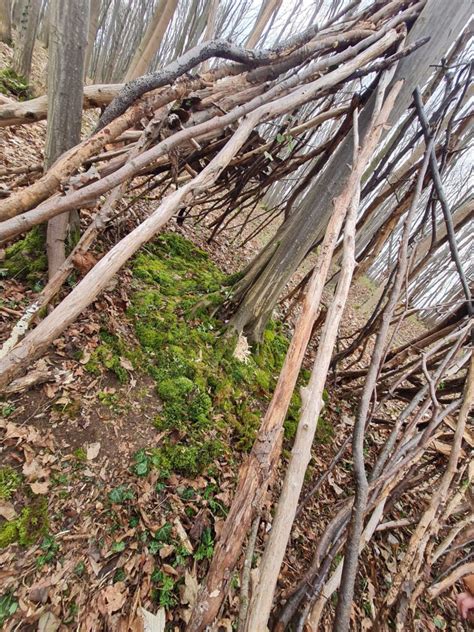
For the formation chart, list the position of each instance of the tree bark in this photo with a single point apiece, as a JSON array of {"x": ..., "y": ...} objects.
[
  {"x": 256, "y": 294},
  {"x": 26, "y": 38},
  {"x": 6, "y": 22},
  {"x": 91, "y": 33},
  {"x": 268, "y": 9},
  {"x": 67, "y": 47},
  {"x": 152, "y": 39}
]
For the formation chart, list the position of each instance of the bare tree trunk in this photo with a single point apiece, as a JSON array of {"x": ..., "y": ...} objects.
[
  {"x": 91, "y": 33},
  {"x": 257, "y": 292},
  {"x": 268, "y": 10},
  {"x": 26, "y": 38},
  {"x": 6, "y": 22},
  {"x": 68, "y": 37},
  {"x": 152, "y": 39}
]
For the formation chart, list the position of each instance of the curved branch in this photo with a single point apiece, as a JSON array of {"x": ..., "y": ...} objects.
[{"x": 217, "y": 48}]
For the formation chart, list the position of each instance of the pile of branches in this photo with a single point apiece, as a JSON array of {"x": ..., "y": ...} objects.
[{"x": 217, "y": 142}]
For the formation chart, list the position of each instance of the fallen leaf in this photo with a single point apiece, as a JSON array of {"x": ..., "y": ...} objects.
[
  {"x": 153, "y": 622},
  {"x": 48, "y": 622},
  {"x": 166, "y": 551},
  {"x": 92, "y": 450},
  {"x": 126, "y": 364},
  {"x": 7, "y": 511},
  {"x": 40, "y": 488},
  {"x": 113, "y": 598},
  {"x": 39, "y": 591},
  {"x": 189, "y": 591},
  {"x": 242, "y": 349}
]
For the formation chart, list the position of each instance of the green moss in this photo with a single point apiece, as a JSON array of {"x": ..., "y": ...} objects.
[
  {"x": 8, "y": 533},
  {"x": 33, "y": 523},
  {"x": 26, "y": 259},
  {"x": 13, "y": 83},
  {"x": 210, "y": 399},
  {"x": 9, "y": 482},
  {"x": 29, "y": 527}
]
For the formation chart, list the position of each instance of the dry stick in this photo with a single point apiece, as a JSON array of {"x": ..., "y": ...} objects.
[
  {"x": 312, "y": 400},
  {"x": 216, "y": 48},
  {"x": 85, "y": 242},
  {"x": 312, "y": 404},
  {"x": 344, "y": 604},
  {"x": 389, "y": 481},
  {"x": 436, "y": 590},
  {"x": 246, "y": 570},
  {"x": 439, "y": 495},
  {"x": 97, "y": 279},
  {"x": 34, "y": 110},
  {"x": 338, "y": 523},
  {"x": 73, "y": 159},
  {"x": 443, "y": 201},
  {"x": 298, "y": 96}
]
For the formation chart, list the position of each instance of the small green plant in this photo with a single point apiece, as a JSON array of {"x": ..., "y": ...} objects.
[
  {"x": 50, "y": 548},
  {"x": 121, "y": 494},
  {"x": 80, "y": 569},
  {"x": 8, "y": 607},
  {"x": 119, "y": 575},
  {"x": 205, "y": 549},
  {"x": 164, "y": 533},
  {"x": 8, "y": 409},
  {"x": 165, "y": 592},
  {"x": 80, "y": 454},
  {"x": 118, "y": 547},
  {"x": 9, "y": 482}
]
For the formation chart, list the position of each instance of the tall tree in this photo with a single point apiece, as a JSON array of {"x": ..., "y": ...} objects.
[
  {"x": 26, "y": 37},
  {"x": 152, "y": 39},
  {"x": 268, "y": 11},
  {"x": 67, "y": 48},
  {"x": 6, "y": 21},
  {"x": 256, "y": 294},
  {"x": 91, "y": 33}
]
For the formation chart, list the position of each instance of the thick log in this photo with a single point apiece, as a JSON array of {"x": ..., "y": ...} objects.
[{"x": 19, "y": 113}]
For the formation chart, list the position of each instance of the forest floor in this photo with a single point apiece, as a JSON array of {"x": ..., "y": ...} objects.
[{"x": 119, "y": 467}]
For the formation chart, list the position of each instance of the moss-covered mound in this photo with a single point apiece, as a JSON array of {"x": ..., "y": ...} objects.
[{"x": 211, "y": 399}]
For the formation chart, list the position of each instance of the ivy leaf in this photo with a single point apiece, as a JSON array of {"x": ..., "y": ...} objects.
[{"x": 118, "y": 547}]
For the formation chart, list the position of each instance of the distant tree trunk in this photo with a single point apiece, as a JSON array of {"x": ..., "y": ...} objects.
[
  {"x": 264, "y": 280},
  {"x": 91, "y": 33},
  {"x": 68, "y": 39},
  {"x": 26, "y": 38},
  {"x": 43, "y": 28},
  {"x": 210, "y": 32},
  {"x": 151, "y": 41},
  {"x": 268, "y": 11},
  {"x": 6, "y": 22},
  {"x": 17, "y": 10}
]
